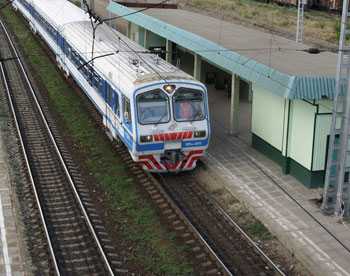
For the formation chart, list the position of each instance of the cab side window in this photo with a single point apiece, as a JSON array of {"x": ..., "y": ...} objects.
[{"x": 127, "y": 110}]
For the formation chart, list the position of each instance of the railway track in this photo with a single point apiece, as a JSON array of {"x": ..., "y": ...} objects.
[
  {"x": 71, "y": 241},
  {"x": 237, "y": 251}
]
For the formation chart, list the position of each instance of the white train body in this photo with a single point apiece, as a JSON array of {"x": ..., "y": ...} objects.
[{"x": 159, "y": 112}]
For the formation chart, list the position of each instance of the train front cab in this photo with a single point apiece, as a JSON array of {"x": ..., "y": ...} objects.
[{"x": 172, "y": 126}]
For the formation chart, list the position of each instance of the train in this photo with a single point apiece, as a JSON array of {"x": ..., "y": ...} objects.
[
  {"x": 330, "y": 5},
  {"x": 157, "y": 111}
]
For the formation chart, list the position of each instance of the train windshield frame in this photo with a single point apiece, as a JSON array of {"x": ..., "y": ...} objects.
[
  {"x": 188, "y": 105},
  {"x": 153, "y": 107}
]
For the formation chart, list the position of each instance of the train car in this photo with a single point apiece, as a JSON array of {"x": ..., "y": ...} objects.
[
  {"x": 159, "y": 112},
  {"x": 330, "y": 5}
]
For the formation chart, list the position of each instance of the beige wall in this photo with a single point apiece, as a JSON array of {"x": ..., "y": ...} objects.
[
  {"x": 301, "y": 132},
  {"x": 268, "y": 116}
]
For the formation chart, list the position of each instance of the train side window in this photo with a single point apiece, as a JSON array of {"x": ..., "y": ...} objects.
[
  {"x": 86, "y": 73},
  {"x": 108, "y": 94},
  {"x": 81, "y": 65},
  {"x": 76, "y": 58},
  {"x": 90, "y": 75},
  {"x": 100, "y": 87},
  {"x": 77, "y": 61},
  {"x": 127, "y": 111},
  {"x": 96, "y": 81}
]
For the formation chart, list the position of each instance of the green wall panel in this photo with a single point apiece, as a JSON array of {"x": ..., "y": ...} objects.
[
  {"x": 311, "y": 179},
  {"x": 268, "y": 150}
]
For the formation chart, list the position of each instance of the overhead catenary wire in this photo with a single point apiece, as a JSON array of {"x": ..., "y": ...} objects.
[
  {"x": 125, "y": 15},
  {"x": 134, "y": 141},
  {"x": 100, "y": 22},
  {"x": 4, "y": 6},
  {"x": 310, "y": 50}
]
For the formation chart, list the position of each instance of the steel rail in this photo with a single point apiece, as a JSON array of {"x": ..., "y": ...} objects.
[
  {"x": 203, "y": 241},
  {"x": 241, "y": 231},
  {"x": 59, "y": 155},
  {"x": 29, "y": 169}
]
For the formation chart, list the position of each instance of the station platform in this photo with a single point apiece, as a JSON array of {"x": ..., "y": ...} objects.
[
  {"x": 283, "y": 204},
  {"x": 11, "y": 252}
]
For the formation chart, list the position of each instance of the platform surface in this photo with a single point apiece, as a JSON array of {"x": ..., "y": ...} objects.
[
  {"x": 283, "y": 204},
  {"x": 11, "y": 257}
]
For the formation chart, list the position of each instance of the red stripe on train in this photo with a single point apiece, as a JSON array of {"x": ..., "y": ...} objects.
[{"x": 173, "y": 136}]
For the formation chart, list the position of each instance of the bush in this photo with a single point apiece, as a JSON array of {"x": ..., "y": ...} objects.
[{"x": 337, "y": 27}]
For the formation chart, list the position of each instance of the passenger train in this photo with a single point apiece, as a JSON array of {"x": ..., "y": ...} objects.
[{"x": 159, "y": 112}]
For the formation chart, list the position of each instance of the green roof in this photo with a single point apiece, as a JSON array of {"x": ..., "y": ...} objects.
[{"x": 287, "y": 86}]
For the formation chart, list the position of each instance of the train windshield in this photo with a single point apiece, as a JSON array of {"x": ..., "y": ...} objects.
[
  {"x": 153, "y": 107},
  {"x": 188, "y": 105}
]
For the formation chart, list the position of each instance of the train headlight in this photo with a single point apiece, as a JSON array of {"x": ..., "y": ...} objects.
[
  {"x": 169, "y": 88},
  {"x": 146, "y": 138},
  {"x": 199, "y": 133}
]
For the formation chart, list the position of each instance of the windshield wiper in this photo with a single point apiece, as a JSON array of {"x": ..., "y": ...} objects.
[
  {"x": 166, "y": 112},
  {"x": 197, "y": 112}
]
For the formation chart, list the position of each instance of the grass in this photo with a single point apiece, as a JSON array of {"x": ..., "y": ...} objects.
[
  {"x": 254, "y": 226},
  {"x": 233, "y": 201},
  {"x": 345, "y": 220},
  {"x": 218, "y": 192},
  {"x": 258, "y": 229},
  {"x": 317, "y": 24},
  {"x": 154, "y": 246}
]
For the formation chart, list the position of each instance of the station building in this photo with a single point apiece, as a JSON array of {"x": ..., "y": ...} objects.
[{"x": 273, "y": 93}]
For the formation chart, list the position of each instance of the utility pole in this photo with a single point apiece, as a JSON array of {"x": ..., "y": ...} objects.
[
  {"x": 336, "y": 194},
  {"x": 299, "y": 36}
]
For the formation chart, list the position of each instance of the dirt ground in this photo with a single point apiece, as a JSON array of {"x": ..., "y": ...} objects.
[{"x": 311, "y": 39}]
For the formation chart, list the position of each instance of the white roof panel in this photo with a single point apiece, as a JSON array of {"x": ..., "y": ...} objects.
[{"x": 61, "y": 12}]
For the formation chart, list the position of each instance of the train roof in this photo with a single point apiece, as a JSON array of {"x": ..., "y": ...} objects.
[
  {"x": 129, "y": 66},
  {"x": 60, "y": 12}
]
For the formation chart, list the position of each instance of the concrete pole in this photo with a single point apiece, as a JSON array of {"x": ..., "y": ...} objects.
[
  {"x": 250, "y": 91},
  {"x": 146, "y": 40},
  {"x": 197, "y": 67},
  {"x": 234, "y": 104},
  {"x": 169, "y": 50},
  {"x": 128, "y": 31}
]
